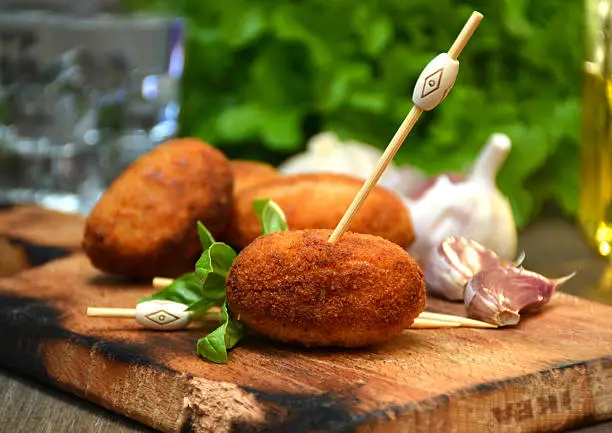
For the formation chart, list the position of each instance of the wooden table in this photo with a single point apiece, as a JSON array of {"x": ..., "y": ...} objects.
[{"x": 554, "y": 247}]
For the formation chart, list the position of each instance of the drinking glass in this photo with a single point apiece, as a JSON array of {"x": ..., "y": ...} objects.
[{"x": 81, "y": 97}]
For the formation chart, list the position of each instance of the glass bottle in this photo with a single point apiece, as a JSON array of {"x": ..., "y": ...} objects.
[{"x": 595, "y": 209}]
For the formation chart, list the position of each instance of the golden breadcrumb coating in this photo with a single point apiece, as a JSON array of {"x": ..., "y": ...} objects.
[
  {"x": 319, "y": 200},
  {"x": 296, "y": 287},
  {"x": 145, "y": 223},
  {"x": 250, "y": 173}
]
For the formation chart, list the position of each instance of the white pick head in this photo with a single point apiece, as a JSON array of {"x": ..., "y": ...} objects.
[
  {"x": 435, "y": 82},
  {"x": 162, "y": 315}
]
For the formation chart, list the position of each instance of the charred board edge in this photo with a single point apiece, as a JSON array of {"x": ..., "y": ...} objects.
[
  {"x": 572, "y": 398},
  {"x": 38, "y": 255},
  {"x": 565, "y": 405},
  {"x": 30, "y": 328},
  {"x": 26, "y": 323}
]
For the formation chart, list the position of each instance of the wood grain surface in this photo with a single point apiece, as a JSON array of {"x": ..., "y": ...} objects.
[{"x": 552, "y": 372}]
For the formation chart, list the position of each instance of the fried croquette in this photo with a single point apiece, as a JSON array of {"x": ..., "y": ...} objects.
[
  {"x": 145, "y": 224},
  {"x": 319, "y": 200},
  {"x": 251, "y": 173},
  {"x": 296, "y": 287}
]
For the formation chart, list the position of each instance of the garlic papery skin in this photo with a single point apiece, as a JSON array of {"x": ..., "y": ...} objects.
[
  {"x": 499, "y": 295},
  {"x": 450, "y": 266},
  {"x": 325, "y": 152},
  {"x": 473, "y": 208}
]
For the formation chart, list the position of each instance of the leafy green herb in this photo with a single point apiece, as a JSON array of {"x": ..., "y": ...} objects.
[
  {"x": 211, "y": 271},
  {"x": 185, "y": 289},
  {"x": 216, "y": 260},
  {"x": 215, "y": 345},
  {"x": 205, "y": 288},
  {"x": 270, "y": 216},
  {"x": 206, "y": 239}
]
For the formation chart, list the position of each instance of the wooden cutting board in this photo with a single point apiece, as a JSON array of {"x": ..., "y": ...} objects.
[{"x": 553, "y": 371}]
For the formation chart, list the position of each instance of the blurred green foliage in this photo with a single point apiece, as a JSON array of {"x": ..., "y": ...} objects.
[{"x": 263, "y": 76}]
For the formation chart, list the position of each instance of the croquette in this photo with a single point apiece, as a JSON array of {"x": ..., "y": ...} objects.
[
  {"x": 319, "y": 200},
  {"x": 145, "y": 224},
  {"x": 296, "y": 287},
  {"x": 251, "y": 173}
]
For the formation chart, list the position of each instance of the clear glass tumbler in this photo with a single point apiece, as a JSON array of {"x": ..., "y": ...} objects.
[{"x": 81, "y": 97}]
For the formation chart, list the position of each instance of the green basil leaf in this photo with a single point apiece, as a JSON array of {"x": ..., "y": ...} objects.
[
  {"x": 270, "y": 216},
  {"x": 185, "y": 289},
  {"x": 213, "y": 294},
  {"x": 203, "y": 267},
  {"x": 206, "y": 239},
  {"x": 204, "y": 288},
  {"x": 217, "y": 259},
  {"x": 215, "y": 345},
  {"x": 212, "y": 347},
  {"x": 203, "y": 305},
  {"x": 233, "y": 333},
  {"x": 222, "y": 256},
  {"x": 214, "y": 287}
]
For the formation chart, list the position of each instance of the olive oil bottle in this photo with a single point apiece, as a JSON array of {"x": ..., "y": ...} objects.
[{"x": 595, "y": 212}]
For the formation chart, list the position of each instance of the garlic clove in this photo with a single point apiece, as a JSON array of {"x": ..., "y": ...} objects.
[
  {"x": 450, "y": 266},
  {"x": 499, "y": 295}
]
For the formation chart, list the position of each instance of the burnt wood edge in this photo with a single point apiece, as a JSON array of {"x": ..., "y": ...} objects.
[
  {"x": 38, "y": 255},
  {"x": 25, "y": 323},
  {"x": 338, "y": 412}
]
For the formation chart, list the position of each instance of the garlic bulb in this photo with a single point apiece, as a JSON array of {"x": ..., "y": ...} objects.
[
  {"x": 325, "y": 152},
  {"x": 498, "y": 295},
  {"x": 473, "y": 208}
]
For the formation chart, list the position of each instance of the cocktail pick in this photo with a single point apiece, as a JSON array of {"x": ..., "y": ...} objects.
[
  {"x": 163, "y": 315},
  {"x": 433, "y": 85},
  {"x": 160, "y": 315}
]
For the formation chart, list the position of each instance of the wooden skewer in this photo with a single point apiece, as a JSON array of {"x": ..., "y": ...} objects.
[
  {"x": 381, "y": 165},
  {"x": 111, "y": 312},
  {"x": 161, "y": 282},
  {"x": 465, "y": 35},
  {"x": 463, "y": 321},
  {"x": 127, "y": 313},
  {"x": 420, "y": 323},
  {"x": 143, "y": 315},
  {"x": 426, "y": 101}
]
